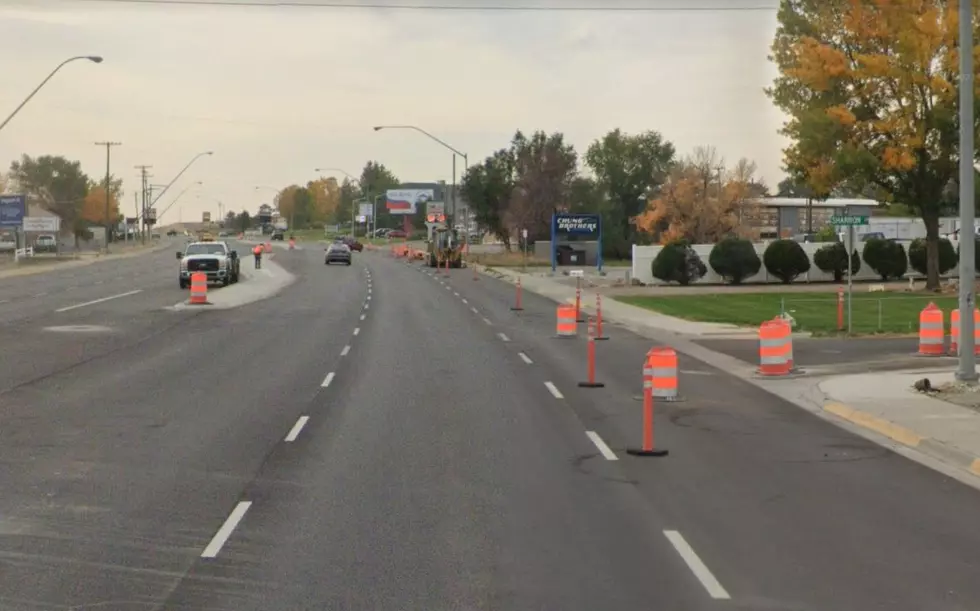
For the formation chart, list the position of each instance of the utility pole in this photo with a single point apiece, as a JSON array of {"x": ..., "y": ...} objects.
[
  {"x": 143, "y": 187},
  {"x": 108, "y": 188},
  {"x": 967, "y": 369}
]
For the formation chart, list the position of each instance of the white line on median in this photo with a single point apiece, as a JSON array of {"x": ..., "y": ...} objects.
[
  {"x": 327, "y": 380},
  {"x": 525, "y": 358},
  {"x": 297, "y": 428},
  {"x": 345, "y": 351},
  {"x": 554, "y": 390},
  {"x": 221, "y": 537},
  {"x": 363, "y": 316},
  {"x": 503, "y": 337},
  {"x": 606, "y": 452},
  {"x": 357, "y": 330},
  {"x": 88, "y": 303},
  {"x": 714, "y": 588}
]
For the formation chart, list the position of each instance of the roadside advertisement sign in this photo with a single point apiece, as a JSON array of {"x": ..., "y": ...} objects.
[
  {"x": 365, "y": 209},
  {"x": 42, "y": 223},
  {"x": 151, "y": 216},
  {"x": 407, "y": 201},
  {"x": 564, "y": 225},
  {"x": 13, "y": 209},
  {"x": 205, "y": 217}
]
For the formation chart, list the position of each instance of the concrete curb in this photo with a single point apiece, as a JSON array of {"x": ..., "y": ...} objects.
[{"x": 906, "y": 437}]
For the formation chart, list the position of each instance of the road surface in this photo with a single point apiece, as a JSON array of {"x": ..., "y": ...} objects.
[{"x": 375, "y": 437}]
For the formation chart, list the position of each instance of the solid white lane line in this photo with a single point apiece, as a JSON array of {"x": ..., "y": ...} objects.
[
  {"x": 88, "y": 303},
  {"x": 475, "y": 311},
  {"x": 503, "y": 337},
  {"x": 525, "y": 358},
  {"x": 327, "y": 380},
  {"x": 606, "y": 452},
  {"x": 487, "y": 320},
  {"x": 714, "y": 588},
  {"x": 363, "y": 316},
  {"x": 221, "y": 537},
  {"x": 297, "y": 428},
  {"x": 554, "y": 390},
  {"x": 345, "y": 351},
  {"x": 357, "y": 330}
]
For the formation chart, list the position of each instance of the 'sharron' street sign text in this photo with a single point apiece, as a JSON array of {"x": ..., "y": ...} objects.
[{"x": 848, "y": 220}]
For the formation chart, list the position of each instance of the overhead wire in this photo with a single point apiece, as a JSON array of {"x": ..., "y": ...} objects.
[{"x": 349, "y": 4}]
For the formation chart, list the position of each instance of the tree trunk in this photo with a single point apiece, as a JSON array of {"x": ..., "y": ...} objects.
[{"x": 932, "y": 251}]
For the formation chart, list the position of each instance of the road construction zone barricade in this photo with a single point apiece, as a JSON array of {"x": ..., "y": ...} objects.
[
  {"x": 954, "y": 332},
  {"x": 199, "y": 288},
  {"x": 932, "y": 335},
  {"x": 662, "y": 366},
  {"x": 567, "y": 325},
  {"x": 774, "y": 348}
]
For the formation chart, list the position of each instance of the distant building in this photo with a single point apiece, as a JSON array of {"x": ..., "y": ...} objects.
[{"x": 775, "y": 217}]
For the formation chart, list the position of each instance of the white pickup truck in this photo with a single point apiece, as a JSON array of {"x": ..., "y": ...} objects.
[{"x": 215, "y": 259}]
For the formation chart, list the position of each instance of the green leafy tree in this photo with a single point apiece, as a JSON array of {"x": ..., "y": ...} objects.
[
  {"x": 57, "y": 184},
  {"x": 948, "y": 256},
  {"x": 544, "y": 170},
  {"x": 629, "y": 168},
  {"x": 488, "y": 187},
  {"x": 376, "y": 179},
  {"x": 871, "y": 93}
]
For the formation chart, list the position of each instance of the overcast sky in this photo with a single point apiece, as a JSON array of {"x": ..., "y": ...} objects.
[{"x": 278, "y": 91}]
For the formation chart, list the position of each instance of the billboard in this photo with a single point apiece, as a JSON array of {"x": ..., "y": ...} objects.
[
  {"x": 13, "y": 208},
  {"x": 407, "y": 201},
  {"x": 365, "y": 209},
  {"x": 205, "y": 217},
  {"x": 42, "y": 223}
]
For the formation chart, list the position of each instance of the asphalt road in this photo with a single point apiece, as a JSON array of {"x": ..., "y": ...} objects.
[{"x": 373, "y": 438}]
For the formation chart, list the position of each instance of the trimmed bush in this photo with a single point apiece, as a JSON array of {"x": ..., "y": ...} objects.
[
  {"x": 976, "y": 254},
  {"x": 918, "y": 258},
  {"x": 886, "y": 257},
  {"x": 677, "y": 262},
  {"x": 832, "y": 259},
  {"x": 786, "y": 259},
  {"x": 734, "y": 259}
]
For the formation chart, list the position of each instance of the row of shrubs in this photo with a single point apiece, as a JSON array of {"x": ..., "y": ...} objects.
[{"x": 735, "y": 259}]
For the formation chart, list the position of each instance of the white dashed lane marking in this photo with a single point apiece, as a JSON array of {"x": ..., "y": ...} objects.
[
  {"x": 345, "y": 351},
  {"x": 221, "y": 537},
  {"x": 503, "y": 337},
  {"x": 554, "y": 390},
  {"x": 525, "y": 358},
  {"x": 606, "y": 452},
  {"x": 475, "y": 311},
  {"x": 363, "y": 316},
  {"x": 487, "y": 320},
  {"x": 327, "y": 380},
  {"x": 297, "y": 428},
  {"x": 700, "y": 570},
  {"x": 357, "y": 331}
]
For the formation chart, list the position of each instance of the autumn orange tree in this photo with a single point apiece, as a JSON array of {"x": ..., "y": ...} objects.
[
  {"x": 871, "y": 88},
  {"x": 93, "y": 209},
  {"x": 702, "y": 200}
]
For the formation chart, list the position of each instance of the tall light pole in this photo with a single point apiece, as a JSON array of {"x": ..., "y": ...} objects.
[
  {"x": 179, "y": 195},
  {"x": 353, "y": 209},
  {"x": 967, "y": 370},
  {"x": 108, "y": 226},
  {"x": 179, "y": 174},
  {"x": 92, "y": 58},
  {"x": 466, "y": 160}
]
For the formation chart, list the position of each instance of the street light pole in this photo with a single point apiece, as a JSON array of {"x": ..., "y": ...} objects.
[
  {"x": 92, "y": 58},
  {"x": 179, "y": 195},
  {"x": 108, "y": 226},
  {"x": 967, "y": 370},
  {"x": 179, "y": 174},
  {"x": 455, "y": 151}
]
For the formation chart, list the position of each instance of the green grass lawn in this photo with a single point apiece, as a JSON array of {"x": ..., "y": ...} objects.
[{"x": 814, "y": 312}]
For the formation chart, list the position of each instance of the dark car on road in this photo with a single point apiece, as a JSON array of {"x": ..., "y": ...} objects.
[
  {"x": 338, "y": 253},
  {"x": 350, "y": 242}
]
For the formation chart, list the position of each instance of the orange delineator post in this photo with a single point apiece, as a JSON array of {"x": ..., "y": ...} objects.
[
  {"x": 446, "y": 272},
  {"x": 199, "y": 288},
  {"x": 566, "y": 325},
  {"x": 268, "y": 247},
  {"x": 590, "y": 359},
  {"x": 578, "y": 300},
  {"x": 647, "y": 447},
  {"x": 773, "y": 349},
  {"x": 517, "y": 299},
  {"x": 932, "y": 334},
  {"x": 598, "y": 318},
  {"x": 292, "y": 244},
  {"x": 840, "y": 308}
]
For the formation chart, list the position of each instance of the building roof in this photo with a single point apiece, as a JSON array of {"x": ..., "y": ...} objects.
[{"x": 801, "y": 202}]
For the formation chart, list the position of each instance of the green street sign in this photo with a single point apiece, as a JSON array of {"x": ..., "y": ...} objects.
[{"x": 848, "y": 220}]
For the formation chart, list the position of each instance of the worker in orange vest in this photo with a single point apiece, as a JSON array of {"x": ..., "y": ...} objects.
[{"x": 257, "y": 251}]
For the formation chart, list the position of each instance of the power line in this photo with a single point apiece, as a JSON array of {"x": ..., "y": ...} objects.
[{"x": 450, "y": 7}]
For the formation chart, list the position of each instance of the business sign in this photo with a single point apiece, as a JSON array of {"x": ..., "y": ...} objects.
[
  {"x": 205, "y": 217},
  {"x": 151, "y": 216},
  {"x": 42, "y": 223},
  {"x": 13, "y": 209},
  {"x": 577, "y": 224},
  {"x": 437, "y": 208},
  {"x": 407, "y": 201},
  {"x": 362, "y": 218},
  {"x": 365, "y": 209}
]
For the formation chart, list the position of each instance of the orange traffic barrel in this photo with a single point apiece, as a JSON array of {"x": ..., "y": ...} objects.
[
  {"x": 567, "y": 326},
  {"x": 789, "y": 340},
  {"x": 199, "y": 288},
  {"x": 954, "y": 332},
  {"x": 292, "y": 243},
  {"x": 662, "y": 367},
  {"x": 932, "y": 335},
  {"x": 774, "y": 348}
]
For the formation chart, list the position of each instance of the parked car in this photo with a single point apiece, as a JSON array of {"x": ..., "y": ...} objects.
[
  {"x": 45, "y": 243},
  {"x": 396, "y": 233},
  {"x": 351, "y": 243},
  {"x": 337, "y": 253}
]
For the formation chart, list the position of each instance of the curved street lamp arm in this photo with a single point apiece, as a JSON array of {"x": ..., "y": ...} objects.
[
  {"x": 422, "y": 131},
  {"x": 92, "y": 58},
  {"x": 179, "y": 174}
]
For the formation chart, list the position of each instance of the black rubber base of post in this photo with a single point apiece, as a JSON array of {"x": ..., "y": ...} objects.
[
  {"x": 581, "y": 320},
  {"x": 640, "y": 452},
  {"x": 601, "y": 338},
  {"x": 591, "y": 385},
  {"x": 517, "y": 309}
]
